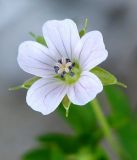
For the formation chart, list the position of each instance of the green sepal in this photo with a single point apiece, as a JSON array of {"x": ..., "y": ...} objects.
[
  {"x": 66, "y": 104},
  {"x": 39, "y": 39},
  {"x": 83, "y": 30},
  {"x": 106, "y": 77},
  {"x": 26, "y": 85}
]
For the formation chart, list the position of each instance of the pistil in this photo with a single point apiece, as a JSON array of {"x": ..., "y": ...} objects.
[{"x": 63, "y": 67}]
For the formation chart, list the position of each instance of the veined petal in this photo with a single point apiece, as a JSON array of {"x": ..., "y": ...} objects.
[
  {"x": 97, "y": 57},
  {"x": 45, "y": 95},
  {"x": 61, "y": 37},
  {"x": 86, "y": 89},
  {"x": 36, "y": 59},
  {"x": 90, "y": 50}
]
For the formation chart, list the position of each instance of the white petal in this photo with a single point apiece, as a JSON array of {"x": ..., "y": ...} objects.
[
  {"x": 86, "y": 89},
  {"x": 61, "y": 36},
  {"x": 90, "y": 50},
  {"x": 45, "y": 95},
  {"x": 97, "y": 57},
  {"x": 36, "y": 59}
]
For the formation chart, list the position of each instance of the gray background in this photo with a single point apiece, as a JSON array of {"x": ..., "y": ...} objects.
[{"x": 116, "y": 19}]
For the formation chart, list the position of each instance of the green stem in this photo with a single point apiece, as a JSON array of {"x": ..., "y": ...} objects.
[{"x": 105, "y": 126}]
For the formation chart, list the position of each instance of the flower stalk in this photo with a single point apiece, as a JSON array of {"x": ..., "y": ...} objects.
[{"x": 105, "y": 127}]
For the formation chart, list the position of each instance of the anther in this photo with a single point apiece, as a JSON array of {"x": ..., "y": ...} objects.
[
  {"x": 70, "y": 67},
  {"x": 68, "y": 60},
  {"x": 63, "y": 74},
  {"x": 60, "y": 61},
  {"x": 73, "y": 64},
  {"x": 56, "y": 68},
  {"x": 71, "y": 74}
]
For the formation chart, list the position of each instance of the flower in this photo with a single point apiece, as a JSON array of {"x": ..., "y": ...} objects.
[{"x": 64, "y": 66}]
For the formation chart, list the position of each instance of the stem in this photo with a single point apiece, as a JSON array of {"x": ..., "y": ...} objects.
[{"x": 105, "y": 126}]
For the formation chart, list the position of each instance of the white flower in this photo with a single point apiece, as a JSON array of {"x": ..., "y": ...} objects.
[{"x": 64, "y": 66}]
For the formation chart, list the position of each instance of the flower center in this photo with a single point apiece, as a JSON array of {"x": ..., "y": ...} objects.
[
  {"x": 63, "y": 67},
  {"x": 67, "y": 71}
]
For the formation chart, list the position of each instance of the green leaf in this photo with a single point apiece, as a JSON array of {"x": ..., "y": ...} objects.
[
  {"x": 82, "y": 119},
  {"x": 106, "y": 77},
  {"x": 121, "y": 119},
  {"x": 83, "y": 31},
  {"x": 46, "y": 153},
  {"x": 37, "y": 154},
  {"x": 26, "y": 85},
  {"x": 120, "y": 106},
  {"x": 60, "y": 146},
  {"x": 67, "y": 143},
  {"x": 39, "y": 39}
]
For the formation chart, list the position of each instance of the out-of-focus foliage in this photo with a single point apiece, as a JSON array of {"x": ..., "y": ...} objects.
[
  {"x": 123, "y": 121},
  {"x": 85, "y": 143},
  {"x": 44, "y": 153}
]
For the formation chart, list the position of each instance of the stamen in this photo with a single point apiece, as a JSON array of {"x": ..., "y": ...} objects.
[
  {"x": 73, "y": 64},
  {"x": 70, "y": 67},
  {"x": 63, "y": 74},
  {"x": 56, "y": 68},
  {"x": 63, "y": 67},
  {"x": 60, "y": 61},
  {"x": 71, "y": 74},
  {"x": 67, "y": 60}
]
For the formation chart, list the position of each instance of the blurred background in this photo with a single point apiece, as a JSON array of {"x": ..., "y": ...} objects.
[{"x": 116, "y": 19}]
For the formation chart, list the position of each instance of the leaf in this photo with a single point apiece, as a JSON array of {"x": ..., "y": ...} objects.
[
  {"x": 106, "y": 77},
  {"x": 26, "y": 85},
  {"x": 83, "y": 31},
  {"x": 60, "y": 146},
  {"x": 120, "y": 105},
  {"x": 39, "y": 39},
  {"x": 82, "y": 120},
  {"x": 67, "y": 143},
  {"x": 36, "y": 154},
  {"x": 121, "y": 119},
  {"x": 86, "y": 153},
  {"x": 46, "y": 153}
]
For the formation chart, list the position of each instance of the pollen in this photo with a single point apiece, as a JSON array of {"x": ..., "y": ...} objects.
[{"x": 63, "y": 67}]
